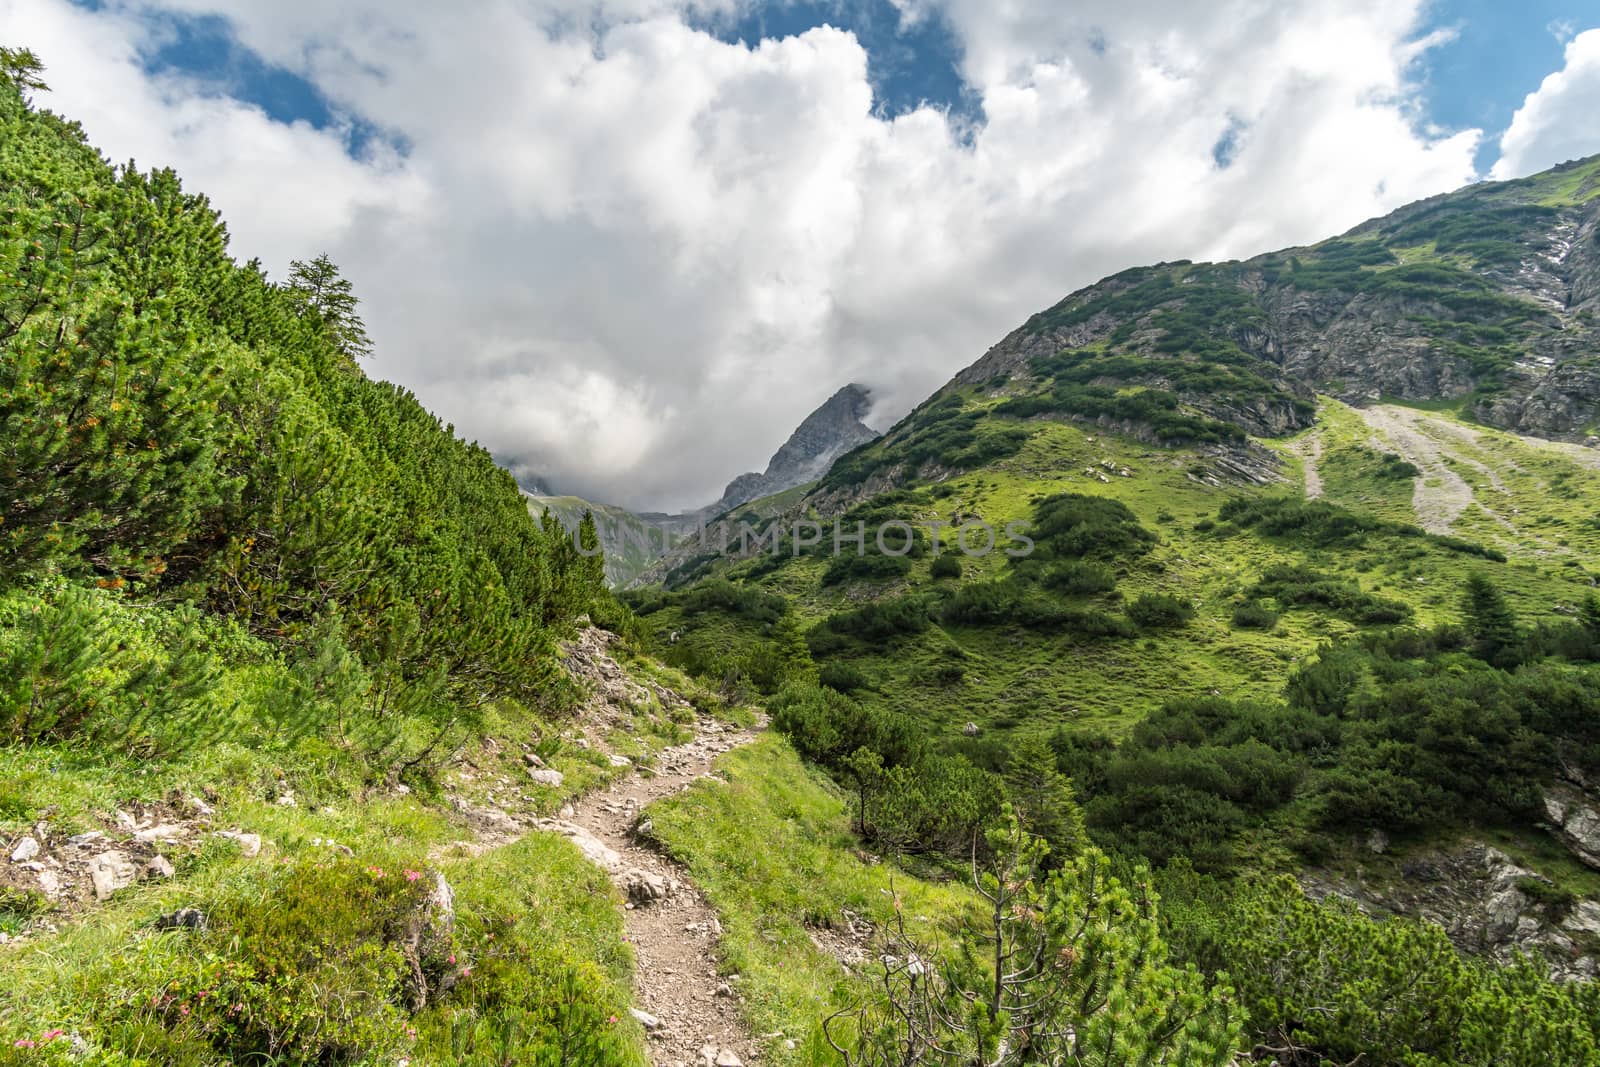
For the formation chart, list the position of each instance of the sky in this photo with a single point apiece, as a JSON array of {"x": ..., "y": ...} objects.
[{"x": 628, "y": 245}]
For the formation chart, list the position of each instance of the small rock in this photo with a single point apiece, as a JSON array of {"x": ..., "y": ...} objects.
[
  {"x": 644, "y": 887},
  {"x": 165, "y": 832},
  {"x": 532, "y": 759},
  {"x": 567, "y": 811},
  {"x": 286, "y": 801},
  {"x": 546, "y": 777},
  {"x": 1377, "y": 842},
  {"x": 110, "y": 871},
  {"x": 790, "y": 1045},
  {"x": 200, "y": 807},
  {"x": 159, "y": 867},
  {"x": 184, "y": 919},
  {"x": 86, "y": 838},
  {"x": 402, "y": 789},
  {"x": 971, "y": 729},
  {"x": 619, "y": 761},
  {"x": 728, "y": 1058},
  {"x": 724, "y": 989},
  {"x": 249, "y": 844},
  {"x": 645, "y": 1019},
  {"x": 49, "y": 883},
  {"x": 26, "y": 849}
]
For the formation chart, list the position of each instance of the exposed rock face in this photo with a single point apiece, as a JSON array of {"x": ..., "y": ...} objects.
[
  {"x": 826, "y": 434},
  {"x": 634, "y": 543},
  {"x": 1479, "y": 896},
  {"x": 1575, "y": 817}
]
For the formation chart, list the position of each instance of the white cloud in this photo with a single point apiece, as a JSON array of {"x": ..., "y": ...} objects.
[
  {"x": 634, "y": 256},
  {"x": 1561, "y": 119}
]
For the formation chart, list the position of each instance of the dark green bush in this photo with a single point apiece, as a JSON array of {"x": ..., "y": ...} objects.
[
  {"x": 1077, "y": 578},
  {"x": 873, "y": 566},
  {"x": 1155, "y": 611},
  {"x": 1254, "y": 615},
  {"x": 843, "y": 676}
]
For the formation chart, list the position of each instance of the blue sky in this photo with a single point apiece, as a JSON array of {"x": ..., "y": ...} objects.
[
  {"x": 1500, "y": 52},
  {"x": 1503, "y": 49}
]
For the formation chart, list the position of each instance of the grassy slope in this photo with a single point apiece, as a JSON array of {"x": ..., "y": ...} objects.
[
  {"x": 1018, "y": 678},
  {"x": 1014, "y": 679},
  {"x": 536, "y": 904}
]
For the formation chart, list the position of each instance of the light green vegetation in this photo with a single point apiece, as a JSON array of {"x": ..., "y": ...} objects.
[{"x": 1016, "y": 677}]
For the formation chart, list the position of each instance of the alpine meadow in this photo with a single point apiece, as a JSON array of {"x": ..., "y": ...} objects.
[{"x": 1208, "y": 674}]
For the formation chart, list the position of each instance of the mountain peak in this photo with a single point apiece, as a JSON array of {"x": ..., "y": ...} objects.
[{"x": 830, "y": 431}]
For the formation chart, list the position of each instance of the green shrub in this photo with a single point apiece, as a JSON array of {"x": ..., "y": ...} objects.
[
  {"x": 1254, "y": 615},
  {"x": 1337, "y": 985},
  {"x": 1556, "y": 901},
  {"x": 322, "y": 963},
  {"x": 843, "y": 677},
  {"x": 871, "y": 567},
  {"x": 874, "y": 622},
  {"x": 1293, "y": 587},
  {"x": 1155, "y": 611},
  {"x": 946, "y": 566},
  {"x": 76, "y": 664},
  {"x": 720, "y": 595},
  {"x": 1077, "y": 578}
]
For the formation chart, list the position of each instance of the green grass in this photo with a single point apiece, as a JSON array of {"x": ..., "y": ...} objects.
[
  {"x": 1015, "y": 678},
  {"x": 772, "y": 849},
  {"x": 527, "y": 916},
  {"x": 540, "y": 927}
]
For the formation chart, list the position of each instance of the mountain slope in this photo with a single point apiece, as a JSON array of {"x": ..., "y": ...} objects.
[
  {"x": 1489, "y": 295},
  {"x": 1261, "y": 627}
]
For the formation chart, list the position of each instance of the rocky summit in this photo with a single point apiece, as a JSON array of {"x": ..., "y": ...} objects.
[{"x": 826, "y": 434}]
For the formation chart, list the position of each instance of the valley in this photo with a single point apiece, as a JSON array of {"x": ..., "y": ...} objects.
[{"x": 327, "y": 743}]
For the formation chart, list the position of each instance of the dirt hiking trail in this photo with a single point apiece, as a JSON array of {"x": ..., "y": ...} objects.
[{"x": 690, "y": 1014}]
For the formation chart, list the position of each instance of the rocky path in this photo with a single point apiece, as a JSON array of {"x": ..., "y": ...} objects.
[
  {"x": 689, "y": 1012},
  {"x": 1309, "y": 449}
]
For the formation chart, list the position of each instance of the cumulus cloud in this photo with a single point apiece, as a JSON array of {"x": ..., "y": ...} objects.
[
  {"x": 631, "y": 256},
  {"x": 1561, "y": 119}
]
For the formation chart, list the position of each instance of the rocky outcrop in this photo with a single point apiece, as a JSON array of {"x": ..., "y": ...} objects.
[
  {"x": 1574, "y": 816},
  {"x": 635, "y": 544},
  {"x": 1486, "y": 903},
  {"x": 427, "y": 943},
  {"x": 826, "y": 434},
  {"x": 72, "y": 872}
]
